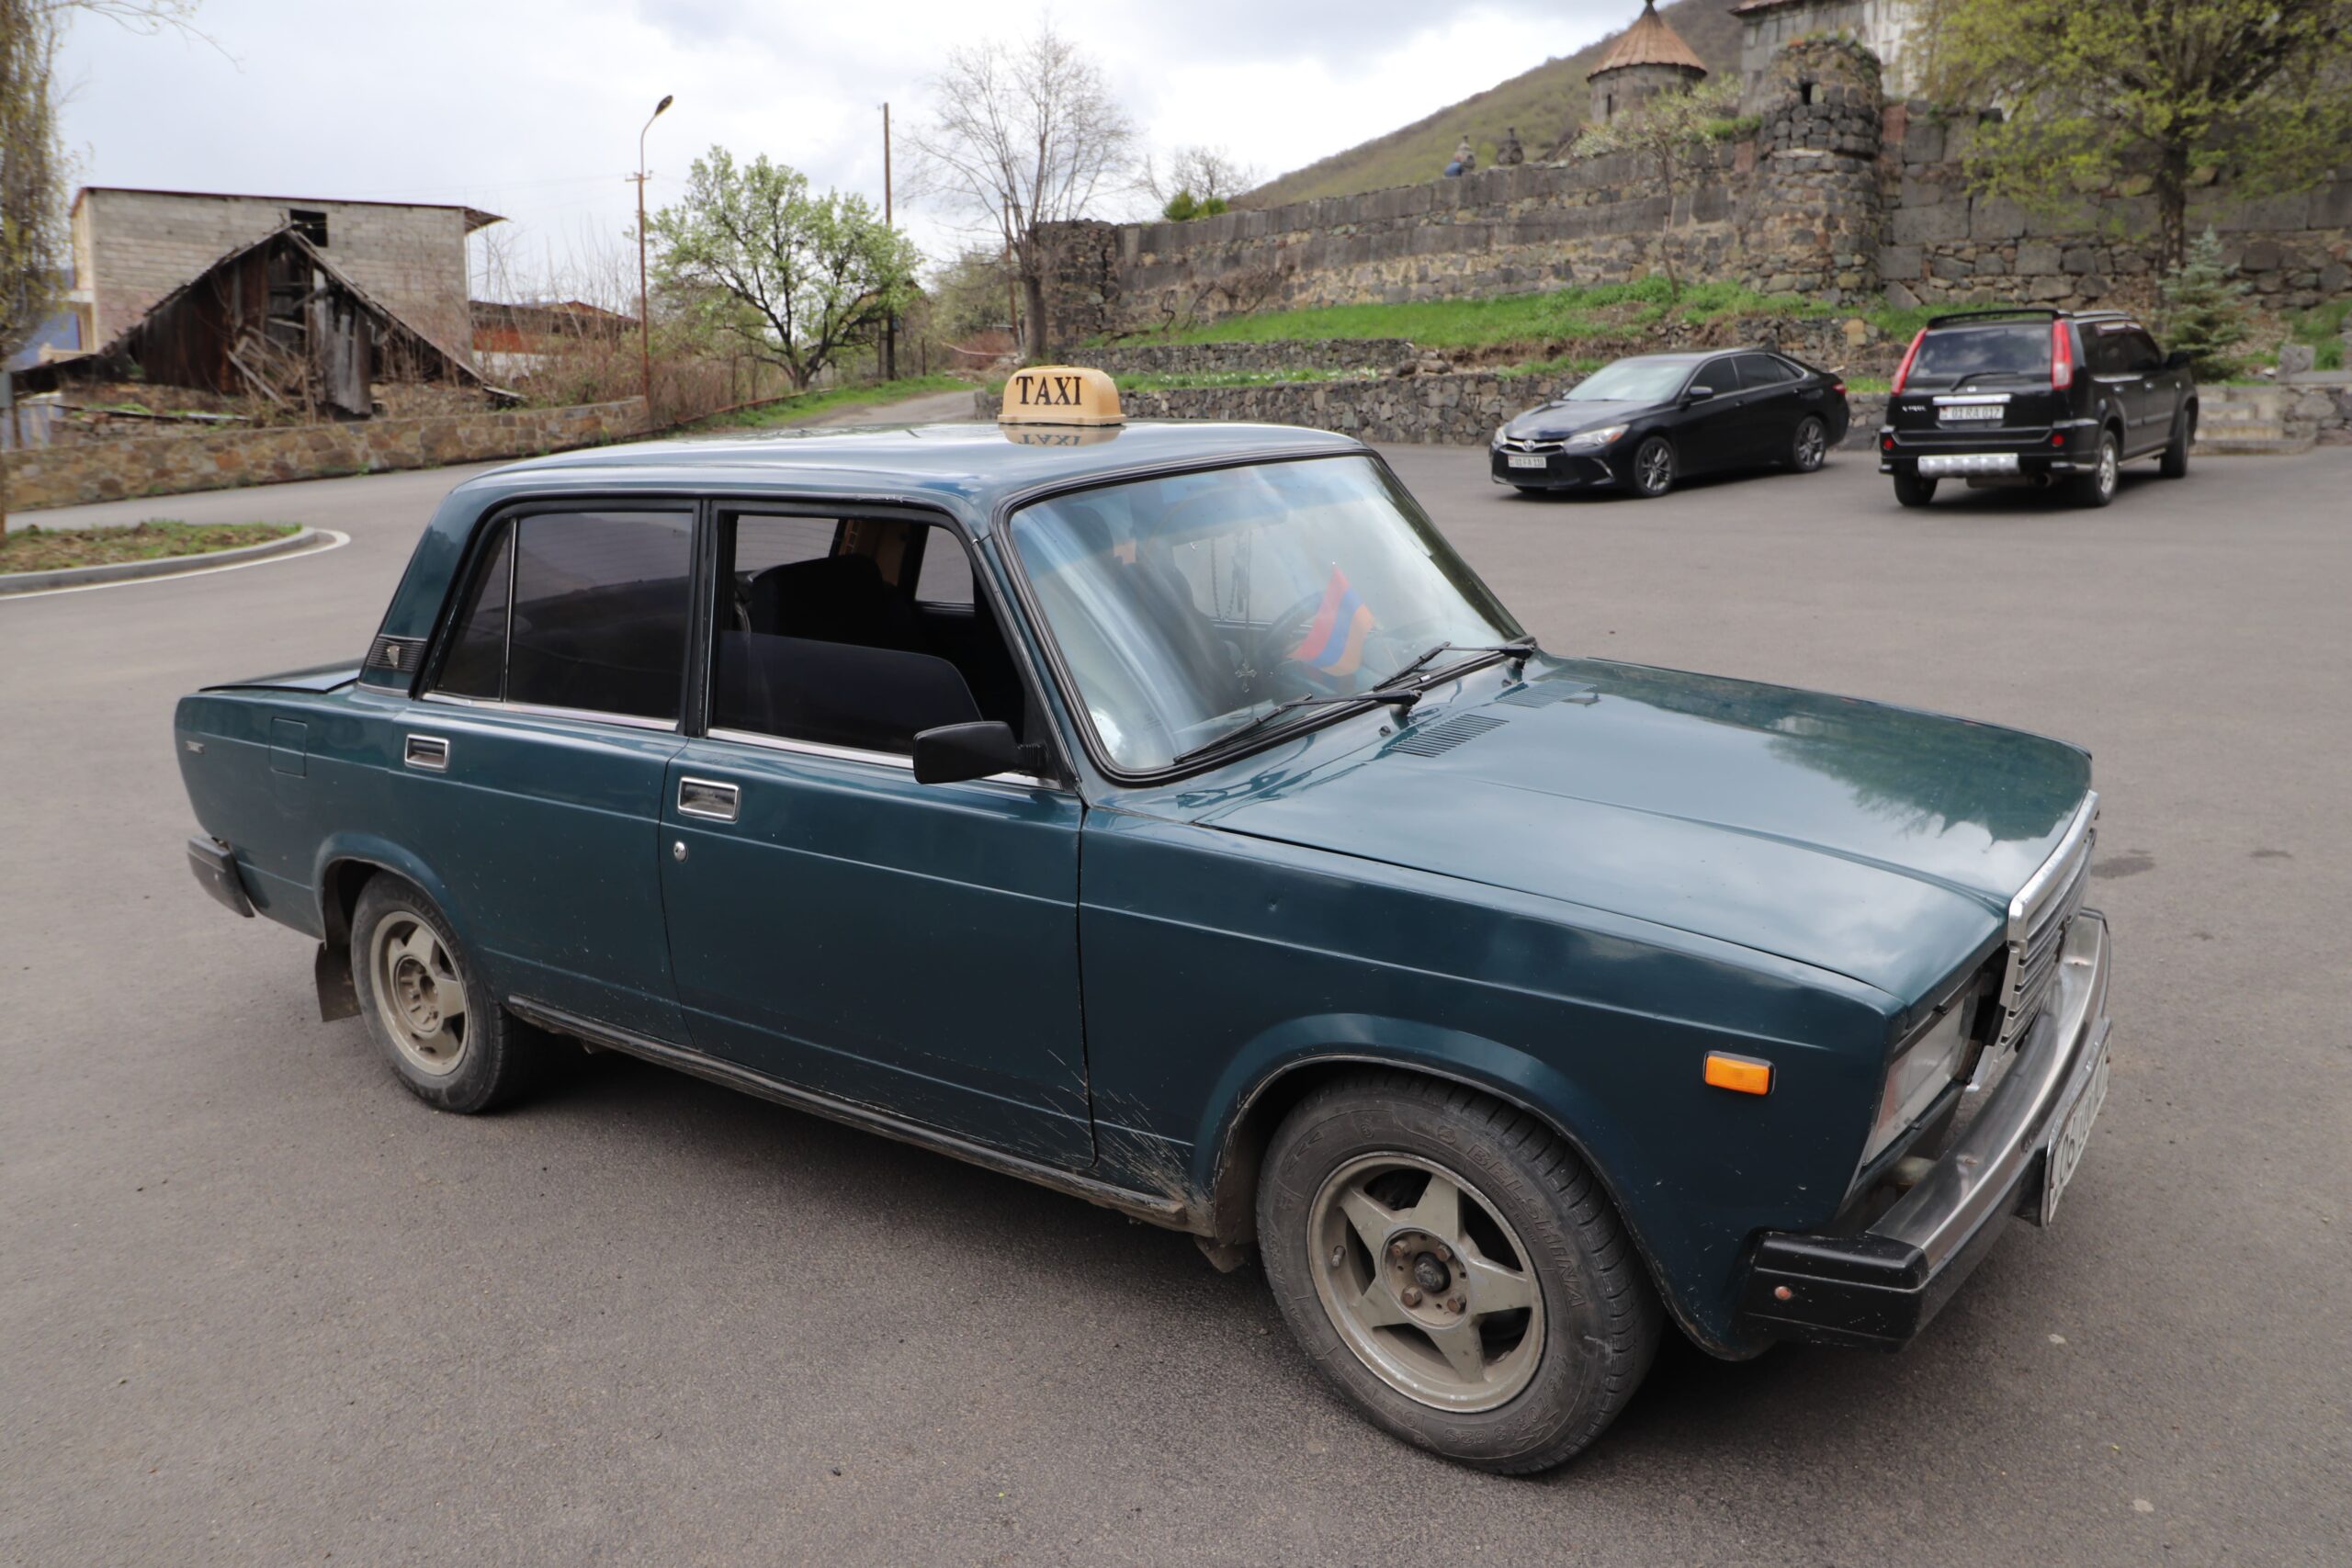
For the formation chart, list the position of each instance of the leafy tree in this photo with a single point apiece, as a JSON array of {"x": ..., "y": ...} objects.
[
  {"x": 32, "y": 171},
  {"x": 796, "y": 280},
  {"x": 2205, "y": 311},
  {"x": 2178, "y": 91},
  {"x": 1671, "y": 137},
  {"x": 1025, "y": 139}
]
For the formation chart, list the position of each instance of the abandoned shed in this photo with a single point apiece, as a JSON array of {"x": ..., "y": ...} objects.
[{"x": 273, "y": 320}]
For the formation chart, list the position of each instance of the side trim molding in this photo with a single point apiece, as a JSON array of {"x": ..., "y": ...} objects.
[{"x": 1152, "y": 1208}]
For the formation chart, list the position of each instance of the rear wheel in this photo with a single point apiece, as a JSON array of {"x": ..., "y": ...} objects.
[
  {"x": 1910, "y": 489},
  {"x": 1654, "y": 467},
  {"x": 2097, "y": 488},
  {"x": 2173, "y": 465},
  {"x": 1810, "y": 449},
  {"x": 436, "y": 1022},
  {"x": 1455, "y": 1269}
]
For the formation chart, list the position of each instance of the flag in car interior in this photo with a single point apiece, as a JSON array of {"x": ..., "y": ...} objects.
[{"x": 1334, "y": 642}]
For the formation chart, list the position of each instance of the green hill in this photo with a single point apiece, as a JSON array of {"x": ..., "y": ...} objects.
[{"x": 1543, "y": 103}]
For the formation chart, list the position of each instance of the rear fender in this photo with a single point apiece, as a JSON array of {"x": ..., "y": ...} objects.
[{"x": 334, "y": 885}]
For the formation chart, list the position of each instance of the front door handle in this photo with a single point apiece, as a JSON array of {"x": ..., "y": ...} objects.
[{"x": 710, "y": 799}]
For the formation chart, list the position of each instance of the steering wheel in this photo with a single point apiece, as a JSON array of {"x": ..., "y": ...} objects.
[{"x": 1271, "y": 657}]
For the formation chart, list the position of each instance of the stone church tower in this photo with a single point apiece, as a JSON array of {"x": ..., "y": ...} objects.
[
  {"x": 1651, "y": 57},
  {"x": 1886, "y": 27}
]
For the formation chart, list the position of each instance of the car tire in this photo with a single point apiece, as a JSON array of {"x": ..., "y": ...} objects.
[
  {"x": 1570, "y": 1323},
  {"x": 2097, "y": 488},
  {"x": 2173, "y": 465},
  {"x": 1910, "y": 489},
  {"x": 1809, "y": 448},
  {"x": 466, "y": 1057},
  {"x": 1654, "y": 467}
]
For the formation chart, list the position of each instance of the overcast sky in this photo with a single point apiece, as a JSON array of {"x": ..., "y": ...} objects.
[{"x": 531, "y": 107}]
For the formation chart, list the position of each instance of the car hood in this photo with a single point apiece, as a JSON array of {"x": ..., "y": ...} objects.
[
  {"x": 1554, "y": 421},
  {"x": 1877, "y": 842}
]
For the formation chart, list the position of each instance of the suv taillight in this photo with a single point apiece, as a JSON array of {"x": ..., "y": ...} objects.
[
  {"x": 1903, "y": 373},
  {"x": 2062, "y": 355}
]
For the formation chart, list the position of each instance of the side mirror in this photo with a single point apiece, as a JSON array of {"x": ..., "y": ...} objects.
[
  {"x": 2178, "y": 359},
  {"x": 955, "y": 752},
  {"x": 1697, "y": 394}
]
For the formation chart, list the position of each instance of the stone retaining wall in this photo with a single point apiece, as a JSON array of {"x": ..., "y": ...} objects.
[
  {"x": 1194, "y": 358},
  {"x": 89, "y": 471}
]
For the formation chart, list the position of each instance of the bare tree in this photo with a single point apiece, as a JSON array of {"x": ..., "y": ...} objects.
[
  {"x": 1207, "y": 173},
  {"x": 1672, "y": 137},
  {"x": 1025, "y": 137}
]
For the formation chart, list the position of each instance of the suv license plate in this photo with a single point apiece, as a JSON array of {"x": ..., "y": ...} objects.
[
  {"x": 1964, "y": 411},
  {"x": 2066, "y": 1149},
  {"x": 1527, "y": 460}
]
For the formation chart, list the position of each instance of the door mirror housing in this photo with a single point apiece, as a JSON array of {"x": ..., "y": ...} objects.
[
  {"x": 1697, "y": 394},
  {"x": 954, "y": 753}
]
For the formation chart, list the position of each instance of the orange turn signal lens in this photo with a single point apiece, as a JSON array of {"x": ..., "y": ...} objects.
[{"x": 1741, "y": 1075}]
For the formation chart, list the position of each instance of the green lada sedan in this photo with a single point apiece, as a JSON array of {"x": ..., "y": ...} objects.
[{"x": 1167, "y": 815}]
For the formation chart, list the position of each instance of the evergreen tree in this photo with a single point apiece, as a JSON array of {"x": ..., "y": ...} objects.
[{"x": 2205, "y": 314}]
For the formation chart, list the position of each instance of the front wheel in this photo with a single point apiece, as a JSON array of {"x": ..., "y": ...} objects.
[
  {"x": 1810, "y": 449},
  {"x": 1910, "y": 489},
  {"x": 1654, "y": 467},
  {"x": 1455, "y": 1269},
  {"x": 437, "y": 1023},
  {"x": 2174, "y": 463}
]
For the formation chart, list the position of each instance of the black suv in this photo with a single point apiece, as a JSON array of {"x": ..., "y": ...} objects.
[{"x": 2035, "y": 397}]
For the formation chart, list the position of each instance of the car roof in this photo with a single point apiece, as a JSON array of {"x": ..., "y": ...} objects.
[{"x": 971, "y": 467}]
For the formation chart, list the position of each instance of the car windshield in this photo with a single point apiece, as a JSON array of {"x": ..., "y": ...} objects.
[
  {"x": 2012, "y": 350},
  {"x": 1188, "y": 605},
  {"x": 1632, "y": 381}
]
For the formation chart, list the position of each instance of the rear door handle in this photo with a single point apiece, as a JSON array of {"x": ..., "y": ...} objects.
[
  {"x": 430, "y": 753},
  {"x": 710, "y": 799}
]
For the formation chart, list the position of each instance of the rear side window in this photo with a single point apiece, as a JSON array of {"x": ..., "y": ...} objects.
[
  {"x": 1764, "y": 370},
  {"x": 581, "y": 610},
  {"x": 2011, "y": 350}
]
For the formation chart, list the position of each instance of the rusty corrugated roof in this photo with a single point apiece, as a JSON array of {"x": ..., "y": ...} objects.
[{"x": 1649, "y": 42}]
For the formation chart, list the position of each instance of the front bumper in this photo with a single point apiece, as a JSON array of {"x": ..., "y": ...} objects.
[
  {"x": 1879, "y": 1288},
  {"x": 1582, "y": 468}
]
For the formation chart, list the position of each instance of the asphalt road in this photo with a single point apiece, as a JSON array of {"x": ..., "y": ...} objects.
[{"x": 261, "y": 1306}]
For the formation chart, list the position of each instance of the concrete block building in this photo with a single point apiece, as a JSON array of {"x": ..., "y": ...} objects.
[
  {"x": 1888, "y": 28},
  {"x": 133, "y": 247}
]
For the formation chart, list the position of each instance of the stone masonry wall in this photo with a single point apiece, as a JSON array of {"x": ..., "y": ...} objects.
[
  {"x": 1211, "y": 358},
  {"x": 172, "y": 465}
]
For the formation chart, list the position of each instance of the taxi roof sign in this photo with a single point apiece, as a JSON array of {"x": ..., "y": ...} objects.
[{"x": 1060, "y": 394}]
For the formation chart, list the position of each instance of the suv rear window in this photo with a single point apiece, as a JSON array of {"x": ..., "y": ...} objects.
[{"x": 2012, "y": 348}]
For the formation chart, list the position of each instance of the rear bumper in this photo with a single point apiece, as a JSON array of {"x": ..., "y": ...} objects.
[
  {"x": 216, "y": 872},
  {"x": 2038, "y": 452},
  {"x": 1879, "y": 1288}
]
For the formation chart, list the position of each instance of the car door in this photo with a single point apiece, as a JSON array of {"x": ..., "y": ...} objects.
[
  {"x": 1711, "y": 435},
  {"x": 2106, "y": 355},
  {"x": 2149, "y": 395},
  {"x": 532, "y": 765},
  {"x": 1770, "y": 406},
  {"x": 834, "y": 923}
]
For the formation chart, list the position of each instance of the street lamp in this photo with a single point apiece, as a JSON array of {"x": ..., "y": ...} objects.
[{"x": 644, "y": 317}]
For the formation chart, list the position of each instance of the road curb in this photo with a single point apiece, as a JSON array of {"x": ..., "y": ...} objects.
[{"x": 162, "y": 565}]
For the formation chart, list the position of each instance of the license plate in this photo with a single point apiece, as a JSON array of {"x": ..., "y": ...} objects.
[
  {"x": 1527, "y": 460},
  {"x": 2066, "y": 1149},
  {"x": 1960, "y": 412}
]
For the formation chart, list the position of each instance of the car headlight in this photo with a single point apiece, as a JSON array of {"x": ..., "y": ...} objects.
[
  {"x": 1502, "y": 433},
  {"x": 1600, "y": 438},
  {"x": 1920, "y": 1072}
]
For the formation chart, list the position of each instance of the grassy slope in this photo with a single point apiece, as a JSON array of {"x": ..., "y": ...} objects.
[
  {"x": 49, "y": 550},
  {"x": 808, "y": 405},
  {"x": 1543, "y": 103}
]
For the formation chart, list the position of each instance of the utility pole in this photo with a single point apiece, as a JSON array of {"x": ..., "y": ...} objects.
[
  {"x": 644, "y": 316},
  {"x": 891, "y": 326}
]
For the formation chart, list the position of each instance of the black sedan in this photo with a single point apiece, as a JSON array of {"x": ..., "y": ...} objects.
[{"x": 1642, "y": 424}]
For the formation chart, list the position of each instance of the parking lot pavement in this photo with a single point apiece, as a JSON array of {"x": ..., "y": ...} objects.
[{"x": 262, "y": 1306}]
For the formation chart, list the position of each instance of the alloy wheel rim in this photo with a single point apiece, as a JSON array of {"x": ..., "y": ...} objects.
[
  {"x": 1657, "y": 468},
  {"x": 420, "y": 996},
  {"x": 1811, "y": 443},
  {"x": 1426, "y": 1282},
  {"x": 2109, "y": 471}
]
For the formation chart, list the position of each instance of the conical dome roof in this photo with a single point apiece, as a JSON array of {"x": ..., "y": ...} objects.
[{"x": 1649, "y": 42}]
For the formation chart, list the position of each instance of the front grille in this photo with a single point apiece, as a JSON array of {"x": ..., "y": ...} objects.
[
  {"x": 1513, "y": 444},
  {"x": 2037, "y": 932}
]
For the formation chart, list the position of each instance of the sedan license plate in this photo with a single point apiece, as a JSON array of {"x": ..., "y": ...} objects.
[
  {"x": 1963, "y": 412},
  {"x": 2066, "y": 1149},
  {"x": 1527, "y": 460}
]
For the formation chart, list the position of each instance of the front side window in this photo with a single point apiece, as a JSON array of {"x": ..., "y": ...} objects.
[
  {"x": 859, "y": 633},
  {"x": 580, "y": 610},
  {"x": 1187, "y": 605}
]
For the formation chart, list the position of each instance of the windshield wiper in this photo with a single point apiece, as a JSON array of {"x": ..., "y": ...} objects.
[
  {"x": 1518, "y": 647},
  {"x": 1404, "y": 697}
]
